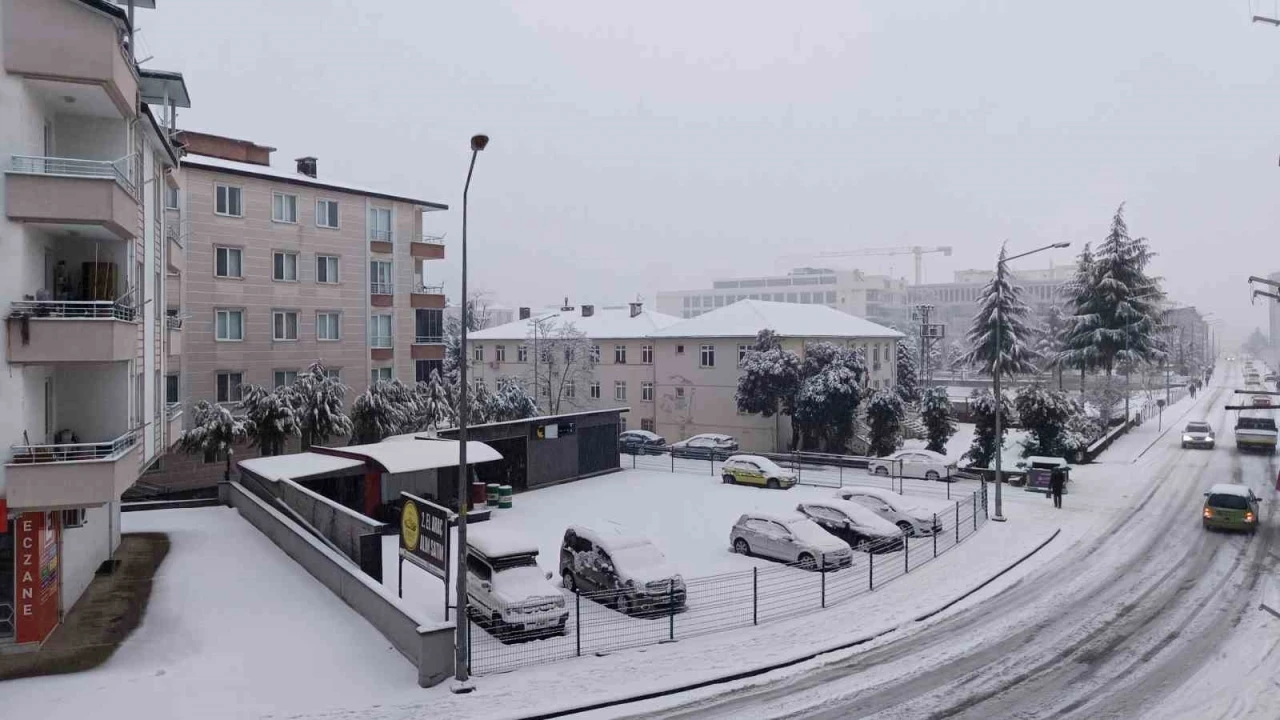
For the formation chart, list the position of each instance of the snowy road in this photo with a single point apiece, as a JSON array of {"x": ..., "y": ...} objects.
[{"x": 1112, "y": 629}]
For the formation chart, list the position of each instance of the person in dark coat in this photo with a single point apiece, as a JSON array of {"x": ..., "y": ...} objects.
[{"x": 1057, "y": 483}]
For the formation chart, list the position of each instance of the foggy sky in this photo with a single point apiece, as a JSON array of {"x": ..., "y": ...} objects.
[{"x": 646, "y": 146}]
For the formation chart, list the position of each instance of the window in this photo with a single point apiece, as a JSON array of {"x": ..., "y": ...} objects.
[
  {"x": 619, "y": 390},
  {"x": 875, "y": 355},
  {"x": 284, "y": 325},
  {"x": 595, "y": 353},
  {"x": 73, "y": 518},
  {"x": 284, "y": 378},
  {"x": 380, "y": 224},
  {"x": 380, "y": 331},
  {"x": 328, "y": 326},
  {"x": 805, "y": 298},
  {"x": 570, "y": 390},
  {"x": 230, "y": 386},
  {"x": 428, "y": 325},
  {"x": 478, "y": 385},
  {"x": 380, "y": 279},
  {"x": 679, "y": 392},
  {"x": 327, "y": 269},
  {"x": 595, "y": 389},
  {"x": 646, "y": 391},
  {"x": 380, "y": 374},
  {"x": 171, "y": 388},
  {"x": 620, "y": 354},
  {"x": 170, "y": 198},
  {"x": 477, "y": 353},
  {"x": 284, "y": 208},
  {"x": 522, "y": 353},
  {"x": 646, "y": 424},
  {"x": 422, "y": 369},
  {"x": 499, "y": 353},
  {"x": 708, "y": 357},
  {"x": 742, "y": 353},
  {"x": 646, "y": 354},
  {"x": 229, "y": 325},
  {"x": 333, "y": 372},
  {"x": 327, "y": 213},
  {"x": 284, "y": 266},
  {"x": 227, "y": 201},
  {"x": 679, "y": 349},
  {"x": 227, "y": 262}
]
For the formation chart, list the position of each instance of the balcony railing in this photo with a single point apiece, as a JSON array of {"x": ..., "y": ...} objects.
[
  {"x": 172, "y": 410},
  {"x": 173, "y": 322},
  {"x": 73, "y": 167},
  {"x": 380, "y": 235},
  {"x": 380, "y": 288},
  {"x": 430, "y": 239},
  {"x": 380, "y": 341},
  {"x": 73, "y": 452},
  {"x": 428, "y": 339},
  {"x": 73, "y": 310},
  {"x": 420, "y": 289}
]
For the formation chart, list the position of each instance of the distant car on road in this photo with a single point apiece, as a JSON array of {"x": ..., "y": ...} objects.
[
  {"x": 641, "y": 442},
  {"x": 925, "y": 464},
  {"x": 1229, "y": 506},
  {"x": 894, "y": 508},
  {"x": 706, "y": 445},
  {"x": 627, "y": 572},
  {"x": 791, "y": 538},
  {"x": 853, "y": 523},
  {"x": 1197, "y": 434},
  {"x": 756, "y": 470}
]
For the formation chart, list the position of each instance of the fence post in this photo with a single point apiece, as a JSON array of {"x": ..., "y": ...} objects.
[
  {"x": 673, "y": 461},
  {"x": 975, "y": 511},
  {"x": 822, "y": 573},
  {"x": 935, "y": 534},
  {"x": 755, "y": 596},
  {"x": 948, "y": 491},
  {"x": 841, "y": 466},
  {"x": 577, "y": 621},
  {"x": 906, "y": 553},
  {"x": 871, "y": 570},
  {"x": 671, "y": 610},
  {"x": 957, "y": 522},
  {"x": 798, "y": 470},
  {"x": 470, "y": 645}
]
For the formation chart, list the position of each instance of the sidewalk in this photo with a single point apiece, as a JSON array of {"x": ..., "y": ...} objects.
[{"x": 1131, "y": 446}]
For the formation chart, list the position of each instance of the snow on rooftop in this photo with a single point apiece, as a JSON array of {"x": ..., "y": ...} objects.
[
  {"x": 422, "y": 454},
  {"x": 1229, "y": 489},
  {"x": 297, "y": 466},
  {"x": 604, "y": 324},
  {"x": 745, "y": 318},
  {"x": 291, "y": 175},
  {"x": 496, "y": 541}
]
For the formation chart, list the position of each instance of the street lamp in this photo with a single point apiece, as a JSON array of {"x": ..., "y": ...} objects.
[
  {"x": 461, "y": 683},
  {"x": 996, "y": 370}
]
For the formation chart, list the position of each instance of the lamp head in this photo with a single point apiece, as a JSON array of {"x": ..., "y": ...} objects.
[
  {"x": 478, "y": 142},
  {"x": 1062, "y": 245}
]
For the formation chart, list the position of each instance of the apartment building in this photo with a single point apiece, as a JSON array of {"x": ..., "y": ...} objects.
[{"x": 85, "y": 138}]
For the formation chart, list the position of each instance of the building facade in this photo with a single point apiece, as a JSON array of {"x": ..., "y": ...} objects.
[
  {"x": 85, "y": 138},
  {"x": 956, "y": 302}
]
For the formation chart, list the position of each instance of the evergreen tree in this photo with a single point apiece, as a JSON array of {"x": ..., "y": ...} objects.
[
  {"x": 1256, "y": 343},
  {"x": 214, "y": 431},
  {"x": 908, "y": 387},
  {"x": 1049, "y": 340},
  {"x": 317, "y": 398},
  {"x": 983, "y": 405},
  {"x": 386, "y": 408},
  {"x": 1076, "y": 351},
  {"x": 769, "y": 380},
  {"x": 999, "y": 333},
  {"x": 510, "y": 401},
  {"x": 269, "y": 418},
  {"x": 1045, "y": 414},
  {"x": 936, "y": 414},
  {"x": 885, "y": 413},
  {"x": 827, "y": 400},
  {"x": 480, "y": 401},
  {"x": 435, "y": 410}
]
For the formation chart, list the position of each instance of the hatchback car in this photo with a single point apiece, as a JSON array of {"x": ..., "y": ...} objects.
[
  {"x": 855, "y": 524},
  {"x": 1230, "y": 507},
  {"x": 757, "y": 470},
  {"x": 791, "y": 538},
  {"x": 707, "y": 445},
  {"x": 894, "y": 508},
  {"x": 641, "y": 442},
  {"x": 924, "y": 464},
  {"x": 1197, "y": 434},
  {"x": 624, "y": 571}
]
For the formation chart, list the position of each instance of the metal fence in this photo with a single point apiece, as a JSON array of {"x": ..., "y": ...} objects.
[{"x": 665, "y": 612}]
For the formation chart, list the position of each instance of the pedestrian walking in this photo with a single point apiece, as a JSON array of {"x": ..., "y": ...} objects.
[{"x": 1057, "y": 483}]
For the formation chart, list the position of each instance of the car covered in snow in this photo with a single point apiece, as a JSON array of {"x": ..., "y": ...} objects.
[
  {"x": 895, "y": 508},
  {"x": 924, "y": 464},
  {"x": 791, "y": 538},
  {"x": 1260, "y": 401},
  {"x": 1230, "y": 506},
  {"x": 713, "y": 446},
  {"x": 624, "y": 571},
  {"x": 756, "y": 470},
  {"x": 641, "y": 442},
  {"x": 854, "y": 523},
  {"x": 507, "y": 593},
  {"x": 1197, "y": 434}
]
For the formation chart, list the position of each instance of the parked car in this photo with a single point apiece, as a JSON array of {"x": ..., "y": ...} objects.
[
  {"x": 641, "y": 442},
  {"x": 1229, "y": 506},
  {"x": 925, "y": 464},
  {"x": 894, "y": 508},
  {"x": 1197, "y": 433},
  {"x": 706, "y": 445},
  {"x": 507, "y": 592},
  {"x": 855, "y": 524},
  {"x": 626, "y": 572},
  {"x": 756, "y": 470},
  {"x": 791, "y": 538},
  {"x": 1261, "y": 401}
]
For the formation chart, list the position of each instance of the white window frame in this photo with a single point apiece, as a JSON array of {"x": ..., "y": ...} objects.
[
  {"x": 646, "y": 391},
  {"x": 595, "y": 353},
  {"x": 382, "y": 282},
  {"x": 477, "y": 353},
  {"x": 284, "y": 266},
  {"x": 646, "y": 354},
  {"x": 522, "y": 353},
  {"x": 332, "y": 323},
  {"x": 595, "y": 389},
  {"x": 228, "y": 250},
  {"x": 278, "y": 375},
  {"x": 619, "y": 354},
  {"x": 679, "y": 391},
  {"x": 226, "y": 324},
  {"x": 224, "y": 190},
  {"x": 280, "y": 325},
  {"x": 379, "y": 234},
  {"x": 570, "y": 390},
  {"x": 337, "y": 216},
  {"x": 707, "y": 356},
  {"x": 284, "y": 208},
  {"x": 375, "y": 339},
  {"x": 386, "y": 373},
  {"x": 230, "y": 396},
  {"x": 499, "y": 353},
  {"x": 171, "y": 192},
  {"x": 620, "y": 390},
  {"x": 323, "y": 261},
  {"x": 742, "y": 353}
]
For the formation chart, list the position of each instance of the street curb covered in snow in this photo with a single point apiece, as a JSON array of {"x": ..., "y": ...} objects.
[
  {"x": 793, "y": 661},
  {"x": 1271, "y": 597}
]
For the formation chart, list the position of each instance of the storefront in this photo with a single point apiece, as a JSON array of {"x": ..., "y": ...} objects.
[{"x": 30, "y": 576}]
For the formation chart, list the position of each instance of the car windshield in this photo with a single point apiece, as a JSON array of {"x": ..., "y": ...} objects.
[
  {"x": 638, "y": 556},
  {"x": 1229, "y": 502},
  {"x": 513, "y": 561},
  {"x": 809, "y": 531},
  {"x": 1197, "y": 427}
]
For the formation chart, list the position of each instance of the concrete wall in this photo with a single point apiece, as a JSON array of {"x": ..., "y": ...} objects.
[
  {"x": 85, "y": 548},
  {"x": 339, "y": 525},
  {"x": 107, "y": 385},
  {"x": 430, "y": 647}
]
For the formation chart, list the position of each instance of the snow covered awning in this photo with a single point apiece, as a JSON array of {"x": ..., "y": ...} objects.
[
  {"x": 299, "y": 466},
  {"x": 424, "y": 453}
]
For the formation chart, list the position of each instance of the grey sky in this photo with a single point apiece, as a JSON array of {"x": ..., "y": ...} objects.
[{"x": 639, "y": 147}]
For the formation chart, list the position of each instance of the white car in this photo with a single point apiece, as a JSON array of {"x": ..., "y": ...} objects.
[
  {"x": 924, "y": 464},
  {"x": 895, "y": 508},
  {"x": 791, "y": 538},
  {"x": 507, "y": 592}
]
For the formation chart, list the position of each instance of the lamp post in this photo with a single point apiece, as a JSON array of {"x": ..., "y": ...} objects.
[
  {"x": 460, "y": 670},
  {"x": 996, "y": 370}
]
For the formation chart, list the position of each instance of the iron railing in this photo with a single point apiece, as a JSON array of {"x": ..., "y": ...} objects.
[
  {"x": 173, "y": 322},
  {"x": 74, "y": 452},
  {"x": 75, "y": 167},
  {"x": 420, "y": 289},
  {"x": 380, "y": 341},
  {"x": 380, "y": 288},
  {"x": 380, "y": 235},
  {"x": 428, "y": 339},
  {"x": 430, "y": 239},
  {"x": 172, "y": 410},
  {"x": 73, "y": 310}
]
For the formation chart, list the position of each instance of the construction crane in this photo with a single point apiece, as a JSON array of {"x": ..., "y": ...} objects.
[{"x": 916, "y": 250}]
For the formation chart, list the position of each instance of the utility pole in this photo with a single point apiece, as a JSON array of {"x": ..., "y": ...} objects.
[{"x": 929, "y": 334}]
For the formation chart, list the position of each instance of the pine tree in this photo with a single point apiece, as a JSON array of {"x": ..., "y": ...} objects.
[
  {"x": 936, "y": 414},
  {"x": 885, "y": 413},
  {"x": 999, "y": 335},
  {"x": 1049, "y": 340},
  {"x": 269, "y": 417},
  {"x": 983, "y": 405},
  {"x": 435, "y": 410},
  {"x": 317, "y": 398},
  {"x": 908, "y": 387},
  {"x": 1045, "y": 415},
  {"x": 480, "y": 401},
  {"x": 1076, "y": 351},
  {"x": 214, "y": 431},
  {"x": 510, "y": 401},
  {"x": 386, "y": 408}
]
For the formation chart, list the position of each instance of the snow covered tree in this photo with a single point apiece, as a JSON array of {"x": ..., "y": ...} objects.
[
  {"x": 1045, "y": 414},
  {"x": 999, "y": 337},
  {"x": 769, "y": 380},
  {"x": 1075, "y": 350},
  {"x": 561, "y": 357},
  {"x": 908, "y": 387},
  {"x": 983, "y": 404},
  {"x": 478, "y": 318},
  {"x": 317, "y": 399},
  {"x": 480, "y": 401},
  {"x": 269, "y": 418},
  {"x": 386, "y": 408},
  {"x": 213, "y": 432},
  {"x": 435, "y": 410},
  {"x": 935, "y": 412},
  {"x": 955, "y": 356},
  {"x": 830, "y": 389},
  {"x": 1256, "y": 344},
  {"x": 885, "y": 413},
  {"x": 510, "y": 401},
  {"x": 1049, "y": 339}
]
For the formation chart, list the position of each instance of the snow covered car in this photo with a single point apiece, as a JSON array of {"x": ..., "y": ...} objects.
[
  {"x": 507, "y": 593},
  {"x": 757, "y": 470},
  {"x": 708, "y": 445},
  {"x": 641, "y": 442},
  {"x": 791, "y": 538},
  {"x": 895, "y": 508},
  {"x": 1199, "y": 434},
  {"x": 1260, "y": 401},
  {"x": 855, "y": 524},
  {"x": 925, "y": 464},
  {"x": 626, "y": 572},
  {"x": 1229, "y": 506}
]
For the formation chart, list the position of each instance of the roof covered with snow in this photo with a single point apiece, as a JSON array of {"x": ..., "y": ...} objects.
[
  {"x": 215, "y": 164},
  {"x": 492, "y": 540},
  {"x": 745, "y": 318},
  {"x": 1230, "y": 489},
  {"x": 603, "y": 324},
  {"x": 422, "y": 454},
  {"x": 298, "y": 466}
]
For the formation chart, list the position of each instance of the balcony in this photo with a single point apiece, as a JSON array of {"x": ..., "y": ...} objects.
[
  {"x": 427, "y": 347},
  {"x": 380, "y": 293},
  {"x": 51, "y": 331},
  {"x": 427, "y": 296},
  {"x": 380, "y": 347},
  {"x": 173, "y": 423},
  {"x": 68, "y": 475},
  {"x": 380, "y": 241},
  {"x": 174, "y": 253},
  {"x": 427, "y": 247},
  {"x": 173, "y": 335},
  {"x": 71, "y": 193}
]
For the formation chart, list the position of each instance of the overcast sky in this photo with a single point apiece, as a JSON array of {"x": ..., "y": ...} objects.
[{"x": 638, "y": 147}]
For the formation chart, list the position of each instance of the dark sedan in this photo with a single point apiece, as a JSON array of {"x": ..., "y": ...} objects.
[{"x": 641, "y": 442}]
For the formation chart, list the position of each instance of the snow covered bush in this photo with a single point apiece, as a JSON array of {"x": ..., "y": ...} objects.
[
  {"x": 434, "y": 407},
  {"x": 269, "y": 418},
  {"x": 388, "y": 407},
  {"x": 510, "y": 401},
  {"x": 770, "y": 378},
  {"x": 885, "y": 412},
  {"x": 999, "y": 336},
  {"x": 983, "y": 405},
  {"x": 213, "y": 432},
  {"x": 935, "y": 412},
  {"x": 1045, "y": 414},
  {"x": 317, "y": 398},
  {"x": 826, "y": 404},
  {"x": 908, "y": 387}
]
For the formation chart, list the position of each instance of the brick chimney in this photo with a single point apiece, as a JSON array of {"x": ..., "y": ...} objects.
[
  {"x": 307, "y": 166},
  {"x": 588, "y": 310},
  {"x": 524, "y": 313},
  {"x": 636, "y": 308}
]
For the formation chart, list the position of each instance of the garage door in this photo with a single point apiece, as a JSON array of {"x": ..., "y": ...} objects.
[{"x": 597, "y": 448}]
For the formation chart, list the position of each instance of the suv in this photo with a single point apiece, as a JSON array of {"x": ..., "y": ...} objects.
[
  {"x": 507, "y": 593},
  {"x": 1197, "y": 433},
  {"x": 756, "y": 470},
  {"x": 1230, "y": 507},
  {"x": 626, "y": 572}
]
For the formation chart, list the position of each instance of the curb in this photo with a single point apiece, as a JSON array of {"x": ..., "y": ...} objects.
[
  {"x": 1271, "y": 598},
  {"x": 793, "y": 661}
]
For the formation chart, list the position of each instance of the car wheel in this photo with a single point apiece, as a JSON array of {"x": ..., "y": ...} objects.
[
  {"x": 772, "y": 484},
  {"x": 566, "y": 579},
  {"x": 728, "y": 479},
  {"x": 932, "y": 475},
  {"x": 806, "y": 561},
  {"x": 905, "y": 527},
  {"x": 741, "y": 547},
  {"x": 624, "y": 603},
  {"x": 882, "y": 470}
]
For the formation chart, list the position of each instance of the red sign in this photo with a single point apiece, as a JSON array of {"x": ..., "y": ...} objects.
[
  {"x": 37, "y": 544},
  {"x": 4, "y": 516}
]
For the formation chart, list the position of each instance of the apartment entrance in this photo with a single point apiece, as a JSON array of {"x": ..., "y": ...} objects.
[{"x": 8, "y": 626}]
